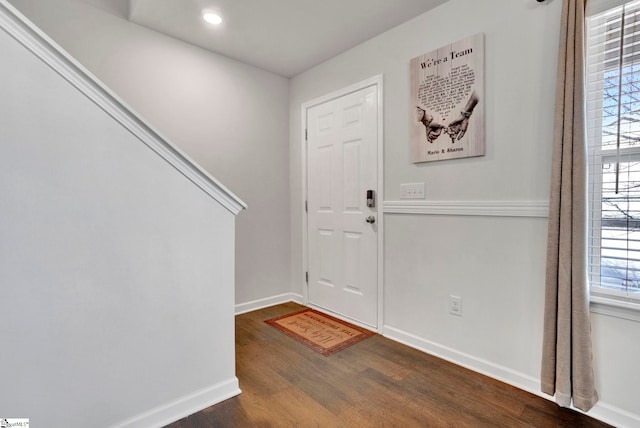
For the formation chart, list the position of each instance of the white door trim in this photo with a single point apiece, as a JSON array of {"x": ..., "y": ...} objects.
[{"x": 373, "y": 81}]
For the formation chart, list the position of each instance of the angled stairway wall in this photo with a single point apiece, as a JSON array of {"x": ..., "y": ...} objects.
[
  {"x": 116, "y": 253},
  {"x": 228, "y": 116}
]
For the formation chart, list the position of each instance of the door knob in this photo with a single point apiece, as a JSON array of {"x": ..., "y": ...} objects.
[{"x": 371, "y": 219}]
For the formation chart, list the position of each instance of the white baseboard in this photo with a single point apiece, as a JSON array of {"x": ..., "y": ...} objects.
[
  {"x": 183, "y": 406},
  {"x": 501, "y": 373},
  {"x": 602, "y": 411},
  {"x": 242, "y": 308},
  {"x": 614, "y": 415}
]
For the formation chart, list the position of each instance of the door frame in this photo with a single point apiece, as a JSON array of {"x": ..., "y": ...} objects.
[{"x": 373, "y": 81}]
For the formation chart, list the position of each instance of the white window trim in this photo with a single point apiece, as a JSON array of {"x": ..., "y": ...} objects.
[
  {"x": 595, "y": 7},
  {"x": 614, "y": 308},
  {"x": 605, "y": 301}
]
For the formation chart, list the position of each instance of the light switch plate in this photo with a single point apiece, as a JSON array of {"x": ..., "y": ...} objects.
[{"x": 412, "y": 191}]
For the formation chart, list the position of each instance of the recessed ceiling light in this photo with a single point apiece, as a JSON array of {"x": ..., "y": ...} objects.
[{"x": 211, "y": 17}]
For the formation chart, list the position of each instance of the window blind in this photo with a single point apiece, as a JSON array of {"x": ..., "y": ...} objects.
[{"x": 613, "y": 131}]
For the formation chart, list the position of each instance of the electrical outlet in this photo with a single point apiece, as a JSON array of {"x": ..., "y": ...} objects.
[
  {"x": 455, "y": 305},
  {"x": 412, "y": 191}
]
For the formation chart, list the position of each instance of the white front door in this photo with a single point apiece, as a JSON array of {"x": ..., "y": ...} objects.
[{"x": 342, "y": 242}]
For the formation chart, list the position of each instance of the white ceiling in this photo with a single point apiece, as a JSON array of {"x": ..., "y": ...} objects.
[{"x": 286, "y": 37}]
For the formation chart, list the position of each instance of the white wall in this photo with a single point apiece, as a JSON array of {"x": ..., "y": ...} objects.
[
  {"x": 229, "y": 117},
  {"x": 116, "y": 271},
  {"x": 495, "y": 263}
]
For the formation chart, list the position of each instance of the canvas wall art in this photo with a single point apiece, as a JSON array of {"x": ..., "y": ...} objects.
[{"x": 447, "y": 97}]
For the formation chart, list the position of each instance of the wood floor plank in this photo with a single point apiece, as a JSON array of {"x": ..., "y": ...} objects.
[
  {"x": 389, "y": 401},
  {"x": 302, "y": 409},
  {"x": 374, "y": 383}
]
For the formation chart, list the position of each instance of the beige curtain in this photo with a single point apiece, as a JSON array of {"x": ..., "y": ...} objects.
[{"x": 567, "y": 370}]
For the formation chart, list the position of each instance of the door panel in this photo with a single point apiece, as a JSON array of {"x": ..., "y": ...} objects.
[{"x": 342, "y": 165}]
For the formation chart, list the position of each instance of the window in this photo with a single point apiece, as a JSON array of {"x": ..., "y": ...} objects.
[{"x": 613, "y": 131}]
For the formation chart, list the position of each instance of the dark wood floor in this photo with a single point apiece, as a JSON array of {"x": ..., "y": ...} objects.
[{"x": 374, "y": 383}]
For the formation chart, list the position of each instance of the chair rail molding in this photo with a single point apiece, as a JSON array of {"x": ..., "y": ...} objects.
[
  {"x": 31, "y": 37},
  {"x": 470, "y": 208}
]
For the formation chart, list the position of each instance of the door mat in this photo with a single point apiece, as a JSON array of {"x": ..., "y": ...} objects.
[{"x": 320, "y": 332}]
